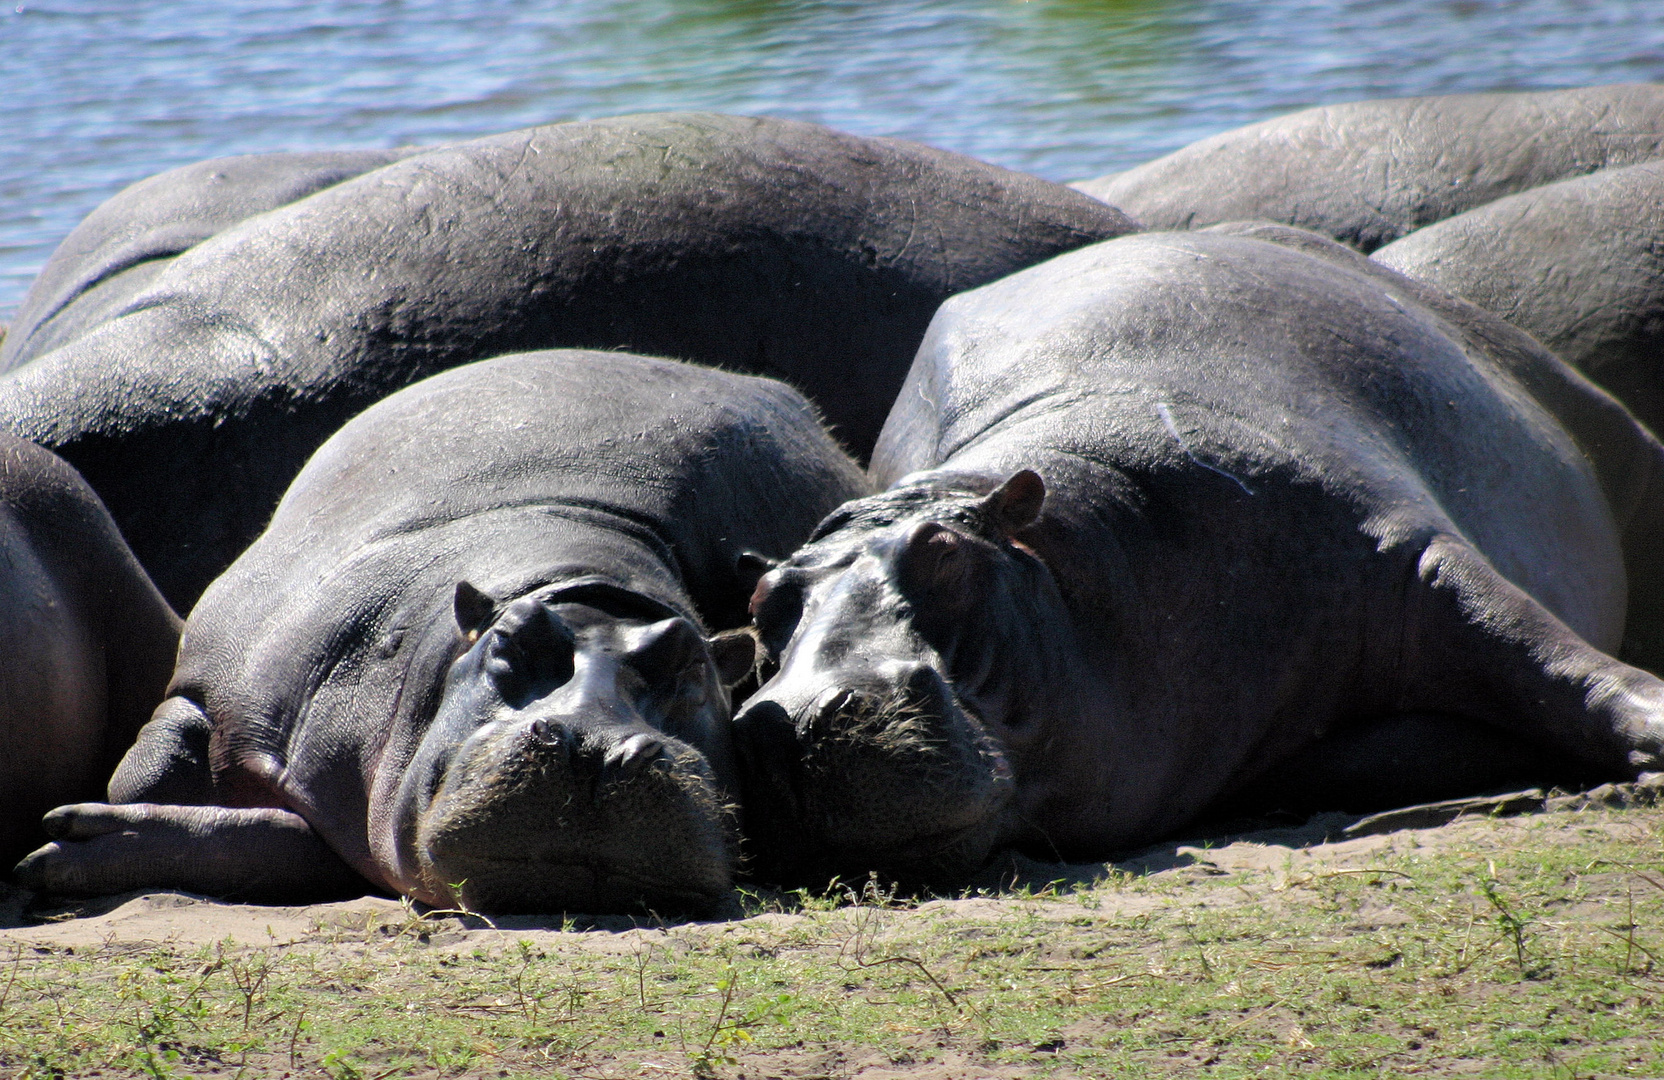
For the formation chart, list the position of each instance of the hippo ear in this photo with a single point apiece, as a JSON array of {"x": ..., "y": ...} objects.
[
  {"x": 735, "y": 653},
  {"x": 933, "y": 560},
  {"x": 1015, "y": 504},
  {"x": 473, "y": 609},
  {"x": 749, "y": 568}
]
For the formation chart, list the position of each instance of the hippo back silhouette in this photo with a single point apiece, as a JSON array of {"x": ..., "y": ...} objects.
[
  {"x": 767, "y": 246},
  {"x": 1368, "y": 172}
]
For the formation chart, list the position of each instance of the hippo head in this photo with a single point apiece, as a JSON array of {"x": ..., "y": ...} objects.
[
  {"x": 905, "y": 636},
  {"x": 580, "y": 759}
]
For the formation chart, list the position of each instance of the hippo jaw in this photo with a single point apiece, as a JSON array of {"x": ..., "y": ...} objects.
[
  {"x": 579, "y": 760},
  {"x": 887, "y": 740}
]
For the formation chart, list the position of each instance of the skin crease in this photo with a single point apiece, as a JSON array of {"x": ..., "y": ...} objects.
[
  {"x": 1170, "y": 512},
  {"x": 1579, "y": 265},
  {"x": 472, "y": 660}
]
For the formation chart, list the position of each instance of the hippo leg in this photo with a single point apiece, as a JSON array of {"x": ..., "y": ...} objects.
[
  {"x": 261, "y": 854},
  {"x": 168, "y": 762},
  {"x": 163, "y": 832},
  {"x": 1477, "y": 646},
  {"x": 1402, "y": 760}
]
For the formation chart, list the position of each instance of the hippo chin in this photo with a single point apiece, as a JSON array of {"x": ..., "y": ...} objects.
[
  {"x": 468, "y": 661},
  {"x": 1182, "y": 518}
]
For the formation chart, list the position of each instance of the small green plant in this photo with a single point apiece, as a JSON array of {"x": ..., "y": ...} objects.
[{"x": 1510, "y": 922}]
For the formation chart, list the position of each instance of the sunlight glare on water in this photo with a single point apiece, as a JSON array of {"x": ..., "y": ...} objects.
[{"x": 96, "y": 94}]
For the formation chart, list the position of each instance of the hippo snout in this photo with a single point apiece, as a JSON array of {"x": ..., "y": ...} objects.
[
  {"x": 552, "y": 815},
  {"x": 890, "y": 774}
]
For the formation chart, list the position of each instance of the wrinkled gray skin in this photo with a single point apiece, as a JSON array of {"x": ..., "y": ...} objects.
[
  {"x": 1368, "y": 172},
  {"x": 1578, "y": 264},
  {"x": 469, "y": 656},
  {"x": 87, "y": 642},
  {"x": 128, "y": 241},
  {"x": 766, "y": 246},
  {"x": 1180, "y": 514}
]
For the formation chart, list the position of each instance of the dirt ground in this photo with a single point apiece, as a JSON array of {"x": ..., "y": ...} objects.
[{"x": 1200, "y": 873}]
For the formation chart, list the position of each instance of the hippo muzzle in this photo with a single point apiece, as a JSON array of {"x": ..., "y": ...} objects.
[
  {"x": 551, "y": 815},
  {"x": 851, "y": 768},
  {"x": 579, "y": 760}
]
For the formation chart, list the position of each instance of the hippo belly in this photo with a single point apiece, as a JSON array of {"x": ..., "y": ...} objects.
[
  {"x": 474, "y": 659},
  {"x": 1170, "y": 515}
]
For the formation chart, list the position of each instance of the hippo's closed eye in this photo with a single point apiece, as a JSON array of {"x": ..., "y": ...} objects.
[
  {"x": 528, "y": 653},
  {"x": 667, "y": 648},
  {"x": 776, "y": 607}
]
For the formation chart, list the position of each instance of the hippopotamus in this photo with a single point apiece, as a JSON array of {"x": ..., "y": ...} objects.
[
  {"x": 767, "y": 246},
  {"x": 471, "y": 660},
  {"x": 1179, "y": 513},
  {"x": 1578, "y": 264},
  {"x": 124, "y": 244},
  {"x": 1368, "y": 172},
  {"x": 87, "y": 642}
]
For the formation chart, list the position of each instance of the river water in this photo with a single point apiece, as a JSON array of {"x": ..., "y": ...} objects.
[{"x": 95, "y": 94}]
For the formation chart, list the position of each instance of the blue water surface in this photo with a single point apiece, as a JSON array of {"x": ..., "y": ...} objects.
[{"x": 95, "y": 94}]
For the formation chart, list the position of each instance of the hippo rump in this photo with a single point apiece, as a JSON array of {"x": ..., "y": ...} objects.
[
  {"x": 767, "y": 246},
  {"x": 1183, "y": 513},
  {"x": 124, "y": 244},
  {"x": 87, "y": 642},
  {"x": 469, "y": 656},
  {"x": 1367, "y": 172},
  {"x": 1578, "y": 264}
]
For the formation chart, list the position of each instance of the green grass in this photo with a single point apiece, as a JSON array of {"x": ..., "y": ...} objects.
[{"x": 1524, "y": 948}]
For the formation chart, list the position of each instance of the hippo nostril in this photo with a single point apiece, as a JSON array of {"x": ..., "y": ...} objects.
[
  {"x": 924, "y": 687},
  {"x": 552, "y": 737},
  {"x": 630, "y": 756}
]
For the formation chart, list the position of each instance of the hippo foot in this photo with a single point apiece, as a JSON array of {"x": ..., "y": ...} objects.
[{"x": 263, "y": 854}]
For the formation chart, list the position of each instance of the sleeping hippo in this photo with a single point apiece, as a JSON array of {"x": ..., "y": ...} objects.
[
  {"x": 1175, "y": 513},
  {"x": 759, "y": 245},
  {"x": 1367, "y": 172},
  {"x": 87, "y": 642},
  {"x": 1578, "y": 264},
  {"x": 469, "y": 659}
]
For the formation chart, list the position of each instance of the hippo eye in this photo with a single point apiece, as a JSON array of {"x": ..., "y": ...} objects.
[
  {"x": 530, "y": 659},
  {"x": 666, "y": 650},
  {"x": 776, "y": 607}
]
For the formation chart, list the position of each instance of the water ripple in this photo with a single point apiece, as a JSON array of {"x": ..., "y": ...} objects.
[{"x": 99, "y": 93}]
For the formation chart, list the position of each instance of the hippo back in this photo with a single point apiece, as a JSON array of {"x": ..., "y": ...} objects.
[
  {"x": 1368, "y": 172},
  {"x": 1578, "y": 264},
  {"x": 762, "y": 245},
  {"x": 121, "y": 247}
]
